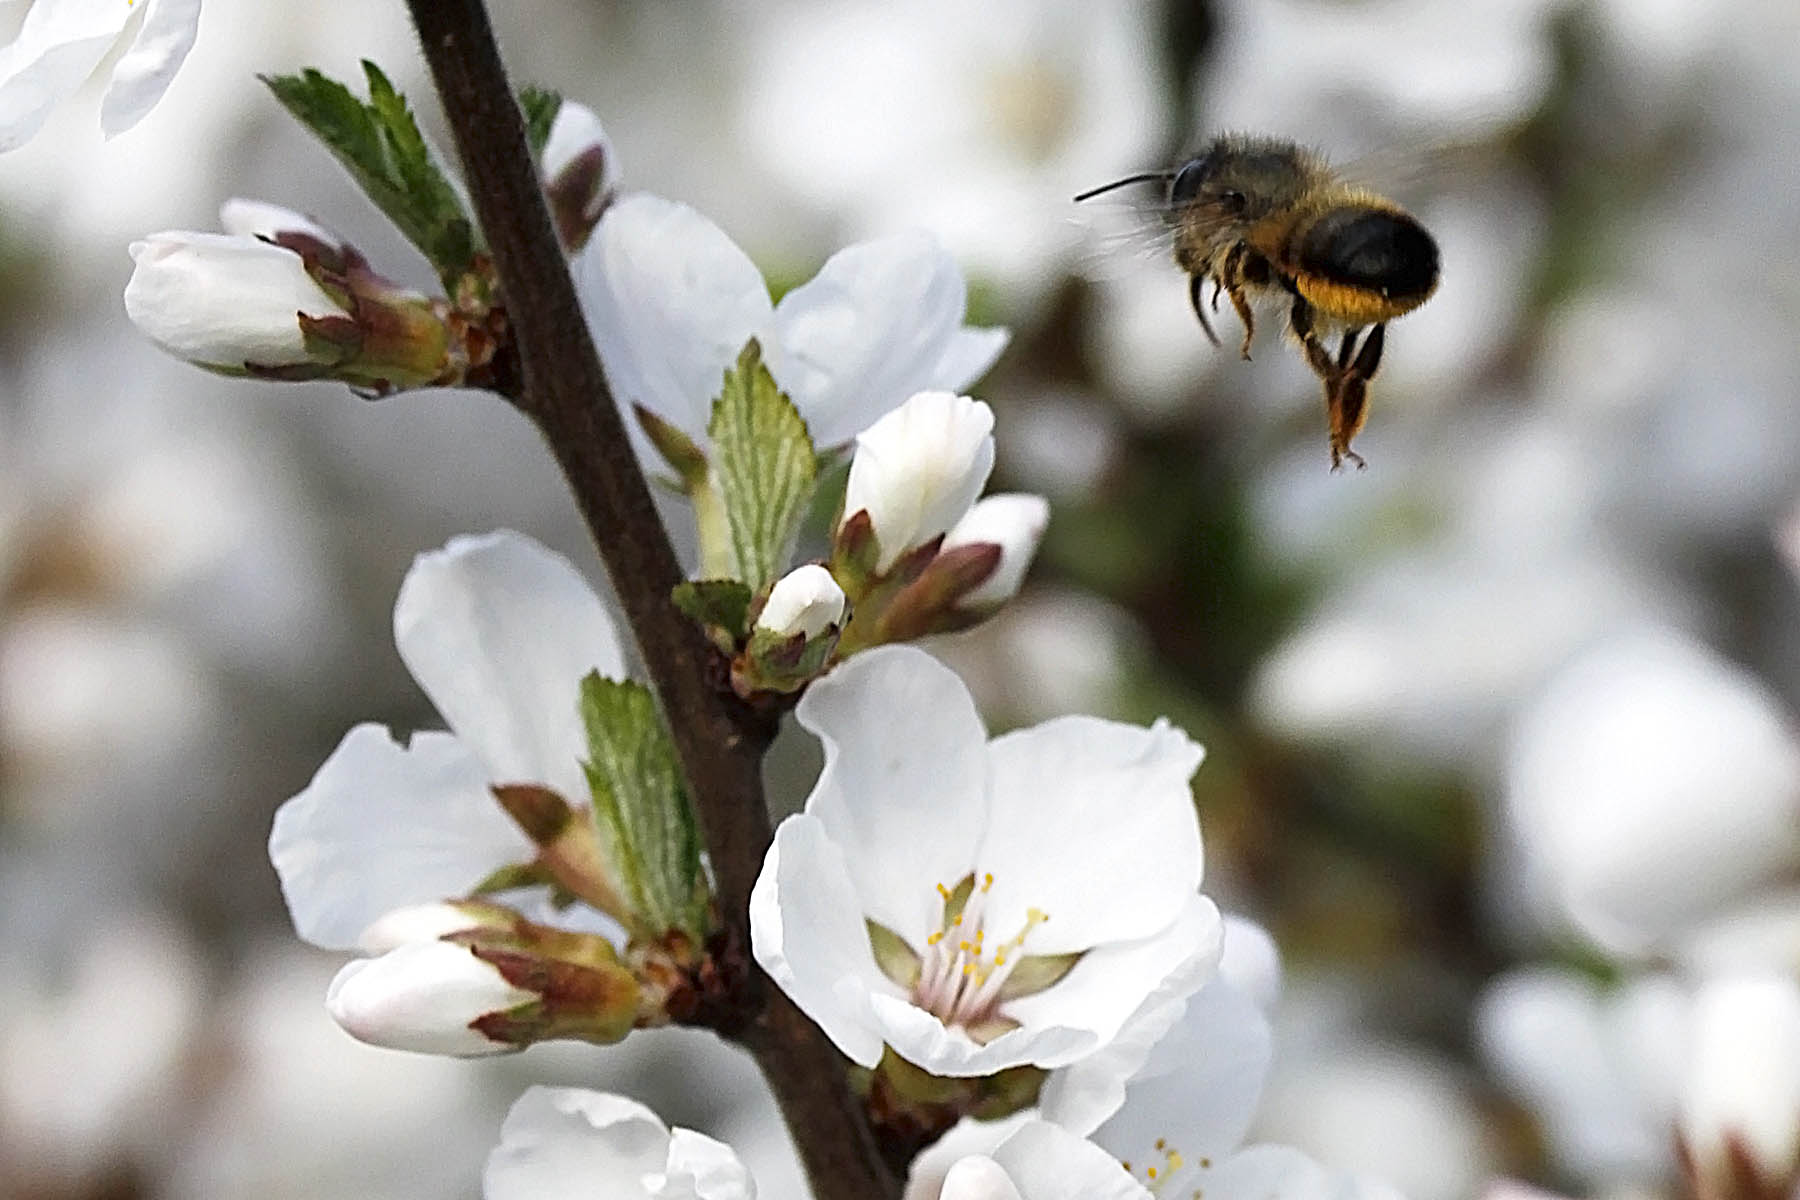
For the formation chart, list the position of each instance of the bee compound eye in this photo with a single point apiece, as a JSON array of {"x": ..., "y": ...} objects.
[
  {"x": 1186, "y": 185},
  {"x": 1232, "y": 202}
]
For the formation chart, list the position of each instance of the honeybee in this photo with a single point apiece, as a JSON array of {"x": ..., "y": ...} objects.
[{"x": 1264, "y": 217}]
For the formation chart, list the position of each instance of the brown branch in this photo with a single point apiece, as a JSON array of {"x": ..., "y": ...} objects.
[{"x": 719, "y": 742}]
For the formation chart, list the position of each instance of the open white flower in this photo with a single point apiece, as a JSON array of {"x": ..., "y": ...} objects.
[
  {"x": 1740, "y": 1104},
  {"x": 563, "y": 1143},
  {"x": 499, "y": 632},
  {"x": 61, "y": 43},
  {"x": 1039, "y": 1161},
  {"x": 976, "y": 904},
  {"x": 671, "y": 300}
]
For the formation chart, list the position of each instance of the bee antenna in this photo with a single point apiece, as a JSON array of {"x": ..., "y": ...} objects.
[{"x": 1145, "y": 177}]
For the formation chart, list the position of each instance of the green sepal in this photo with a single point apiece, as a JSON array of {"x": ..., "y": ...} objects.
[
  {"x": 539, "y": 107},
  {"x": 764, "y": 468},
  {"x": 721, "y": 607},
  {"x": 379, "y": 142},
  {"x": 686, "y": 459},
  {"x": 1035, "y": 972},
  {"x": 895, "y": 958},
  {"x": 518, "y": 875},
  {"x": 646, "y": 825},
  {"x": 772, "y": 662}
]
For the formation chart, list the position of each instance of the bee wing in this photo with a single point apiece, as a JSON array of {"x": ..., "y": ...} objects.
[
  {"x": 1118, "y": 236},
  {"x": 1418, "y": 174}
]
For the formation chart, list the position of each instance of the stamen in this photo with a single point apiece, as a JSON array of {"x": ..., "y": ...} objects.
[{"x": 960, "y": 978}]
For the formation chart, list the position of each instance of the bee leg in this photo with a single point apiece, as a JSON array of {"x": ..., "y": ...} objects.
[
  {"x": 1346, "y": 348},
  {"x": 1348, "y": 401},
  {"x": 1244, "y": 314},
  {"x": 1300, "y": 320},
  {"x": 1196, "y": 293}
]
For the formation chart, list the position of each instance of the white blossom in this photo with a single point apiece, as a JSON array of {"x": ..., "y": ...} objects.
[
  {"x": 60, "y": 44},
  {"x": 918, "y": 469},
  {"x": 671, "y": 301},
  {"x": 224, "y": 301},
  {"x": 975, "y": 856},
  {"x": 562, "y": 1143},
  {"x": 1740, "y": 1105}
]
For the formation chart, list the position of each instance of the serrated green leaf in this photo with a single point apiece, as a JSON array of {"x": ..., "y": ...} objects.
[
  {"x": 764, "y": 467},
  {"x": 641, "y": 806},
  {"x": 379, "y": 142},
  {"x": 540, "y": 106}
]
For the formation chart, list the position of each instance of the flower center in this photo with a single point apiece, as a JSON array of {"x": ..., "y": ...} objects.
[
  {"x": 1169, "y": 1176},
  {"x": 961, "y": 973}
]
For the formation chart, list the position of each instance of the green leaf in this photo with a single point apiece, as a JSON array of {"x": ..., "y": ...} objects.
[
  {"x": 540, "y": 106},
  {"x": 641, "y": 806},
  {"x": 715, "y": 604},
  {"x": 380, "y": 144},
  {"x": 764, "y": 467}
]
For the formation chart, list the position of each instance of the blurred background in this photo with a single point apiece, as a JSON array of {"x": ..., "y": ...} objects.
[{"x": 1500, "y": 734}]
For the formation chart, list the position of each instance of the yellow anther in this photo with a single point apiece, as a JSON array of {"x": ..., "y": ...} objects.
[
  {"x": 935, "y": 938},
  {"x": 1176, "y": 1162},
  {"x": 944, "y": 892},
  {"x": 1162, "y": 1144},
  {"x": 987, "y": 881},
  {"x": 1150, "y": 1172}
]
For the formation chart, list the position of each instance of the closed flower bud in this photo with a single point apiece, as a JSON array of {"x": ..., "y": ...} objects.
[
  {"x": 1015, "y": 522},
  {"x": 424, "y": 997},
  {"x": 918, "y": 469},
  {"x": 580, "y": 172},
  {"x": 428, "y": 923},
  {"x": 806, "y": 601},
  {"x": 226, "y": 302}
]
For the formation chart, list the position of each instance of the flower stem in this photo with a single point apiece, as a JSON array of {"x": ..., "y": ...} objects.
[{"x": 719, "y": 741}]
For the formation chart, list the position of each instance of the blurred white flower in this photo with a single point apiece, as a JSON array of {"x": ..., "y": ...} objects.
[
  {"x": 982, "y": 855},
  {"x": 1654, "y": 785},
  {"x": 671, "y": 300},
  {"x": 976, "y": 121},
  {"x": 499, "y": 632},
  {"x": 1014, "y": 521},
  {"x": 562, "y": 1143},
  {"x": 225, "y": 301},
  {"x": 917, "y": 470},
  {"x": 1740, "y": 1104},
  {"x": 806, "y": 601},
  {"x": 62, "y": 42},
  {"x": 1599, "y": 1068}
]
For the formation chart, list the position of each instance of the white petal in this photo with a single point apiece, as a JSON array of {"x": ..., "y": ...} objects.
[
  {"x": 1093, "y": 822},
  {"x": 807, "y": 931},
  {"x": 223, "y": 301},
  {"x": 968, "y": 1137},
  {"x": 1048, "y": 1163},
  {"x": 422, "y": 998},
  {"x": 259, "y": 219},
  {"x": 805, "y": 601},
  {"x": 1109, "y": 984},
  {"x": 143, "y": 72},
  {"x": 670, "y": 300},
  {"x": 575, "y": 1144},
  {"x": 902, "y": 792},
  {"x": 968, "y": 356},
  {"x": 499, "y": 632},
  {"x": 918, "y": 469},
  {"x": 704, "y": 1169},
  {"x": 1251, "y": 962},
  {"x": 415, "y": 923},
  {"x": 1216, "y": 1045},
  {"x": 60, "y": 43},
  {"x": 382, "y": 826},
  {"x": 1014, "y": 521},
  {"x": 866, "y": 332},
  {"x": 922, "y": 1039},
  {"x": 978, "y": 1178},
  {"x": 575, "y": 131},
  {"x": 1198, "y": 1092}
]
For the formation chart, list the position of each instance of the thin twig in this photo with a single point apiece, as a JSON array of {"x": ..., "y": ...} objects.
[{"x": 720, "y": 743}]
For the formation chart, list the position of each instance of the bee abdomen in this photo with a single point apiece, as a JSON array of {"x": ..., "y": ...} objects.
[{"x": 1377, "y": 249}]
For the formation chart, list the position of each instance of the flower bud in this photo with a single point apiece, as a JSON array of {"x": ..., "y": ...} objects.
[
  {"x": 918, "y": 469},
  {"x": 1015, "y": 522},
  {"x": 804, "y": 602},
  {"x": 580, "y": 172},
  {"x": 273, "y": 223},
  {"x": 227, "y": 302},
  {"x": 425, "y": 997}
]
